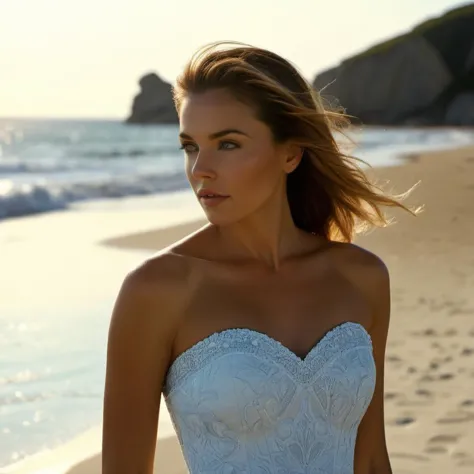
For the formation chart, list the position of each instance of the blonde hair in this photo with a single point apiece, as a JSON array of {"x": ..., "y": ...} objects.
[{"x": 328, "y": 193}]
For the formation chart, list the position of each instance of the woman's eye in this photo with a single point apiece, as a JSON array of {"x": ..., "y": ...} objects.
[
  {"x": 191, "y": 148},
  {"x": 188, "y": 147},
  {"x": 228, "y": 145}
]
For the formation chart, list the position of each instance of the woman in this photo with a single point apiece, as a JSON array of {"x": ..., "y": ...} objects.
[{"x": 266, "y": 329}]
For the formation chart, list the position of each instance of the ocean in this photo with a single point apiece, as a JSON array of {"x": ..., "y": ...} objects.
[
  {"x": 57, "y": 286},
  {"x": 47, "y": 165}
]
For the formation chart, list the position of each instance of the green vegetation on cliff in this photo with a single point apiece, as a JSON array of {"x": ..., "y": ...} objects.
[{"x": 440, "y": 33}]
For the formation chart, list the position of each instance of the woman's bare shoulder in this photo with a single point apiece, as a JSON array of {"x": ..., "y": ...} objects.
[
  {"x": 367, "y": 272},
  {"x": 159, "y": 281},
  {"x": 356, "y": 260},
  {"x": 164, "y": 279}
]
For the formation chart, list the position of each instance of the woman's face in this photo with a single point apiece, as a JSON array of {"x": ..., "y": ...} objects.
[{"x": 231, "y": 153}]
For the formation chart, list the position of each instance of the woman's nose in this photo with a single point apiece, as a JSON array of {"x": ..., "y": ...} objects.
[{"x": 203, "y": 167}]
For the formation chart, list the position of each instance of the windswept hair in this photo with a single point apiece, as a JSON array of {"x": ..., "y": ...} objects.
[{"x": 328, "y": 193}]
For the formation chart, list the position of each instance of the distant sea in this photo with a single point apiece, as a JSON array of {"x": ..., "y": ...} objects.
[
  {"x": 52, "y": 336},
  {"x": 46, "y": 165}
]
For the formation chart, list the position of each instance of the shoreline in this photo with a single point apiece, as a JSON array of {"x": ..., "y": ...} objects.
[
  {"x": 432, "y": 270},
  {"x": 146, "y": 240},
  {"x": 379, "y": 145},
  {"x": 81, "y": 455}
]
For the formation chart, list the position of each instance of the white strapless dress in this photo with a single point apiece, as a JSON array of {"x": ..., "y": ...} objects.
[{"x": 241, "y": 402}]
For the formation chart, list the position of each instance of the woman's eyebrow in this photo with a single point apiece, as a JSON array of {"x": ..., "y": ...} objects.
[{"x": 215, "y": 135}]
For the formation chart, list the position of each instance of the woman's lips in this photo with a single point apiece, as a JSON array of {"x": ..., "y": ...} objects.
[{"x": 210, "y": 201}]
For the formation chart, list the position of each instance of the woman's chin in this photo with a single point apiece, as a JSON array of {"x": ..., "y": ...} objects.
[{"x": 218, "y": 218}]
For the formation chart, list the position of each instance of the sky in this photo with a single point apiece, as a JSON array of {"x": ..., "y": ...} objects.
[{"x": 83, "y": 58}]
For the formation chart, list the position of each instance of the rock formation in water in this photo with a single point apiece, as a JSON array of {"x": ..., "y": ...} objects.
[
  {"x": 154, "y": 102},
  {"x": 425, "y": 77}
]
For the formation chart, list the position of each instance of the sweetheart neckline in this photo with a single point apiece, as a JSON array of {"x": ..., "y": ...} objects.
[{"x": 271, "y": 340}]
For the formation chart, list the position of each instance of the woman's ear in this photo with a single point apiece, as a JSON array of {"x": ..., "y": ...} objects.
[{"x": 293, "y": 157}]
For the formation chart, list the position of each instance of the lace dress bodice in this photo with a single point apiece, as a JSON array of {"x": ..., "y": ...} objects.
[{"x": 241, "y": 402}]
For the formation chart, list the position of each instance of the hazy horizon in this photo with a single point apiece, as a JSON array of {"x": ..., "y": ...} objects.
[{"x": 83, "y": 60}]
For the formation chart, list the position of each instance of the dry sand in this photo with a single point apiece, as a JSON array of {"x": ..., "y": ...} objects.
[{"x": 429, "y": 395}]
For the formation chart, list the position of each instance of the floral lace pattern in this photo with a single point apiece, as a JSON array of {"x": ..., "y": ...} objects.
[{"x": 241, "y": 402}]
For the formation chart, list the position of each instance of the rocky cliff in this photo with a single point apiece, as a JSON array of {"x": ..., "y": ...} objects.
[{"x": 425, "y": 77}]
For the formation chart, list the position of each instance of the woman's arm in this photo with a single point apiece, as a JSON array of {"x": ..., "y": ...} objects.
[
  {"x": 371, "y": 456},
  {"x": 138, "y": 355}
]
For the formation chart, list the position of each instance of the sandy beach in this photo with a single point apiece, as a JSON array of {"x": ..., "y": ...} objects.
[{"x": 429, "y": 388}]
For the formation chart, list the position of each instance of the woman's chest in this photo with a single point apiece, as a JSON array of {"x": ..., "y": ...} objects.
[{"x": 294, "y": 309}]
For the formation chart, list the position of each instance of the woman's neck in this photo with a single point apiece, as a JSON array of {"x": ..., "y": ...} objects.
[{"x": 268, "y": 236}]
